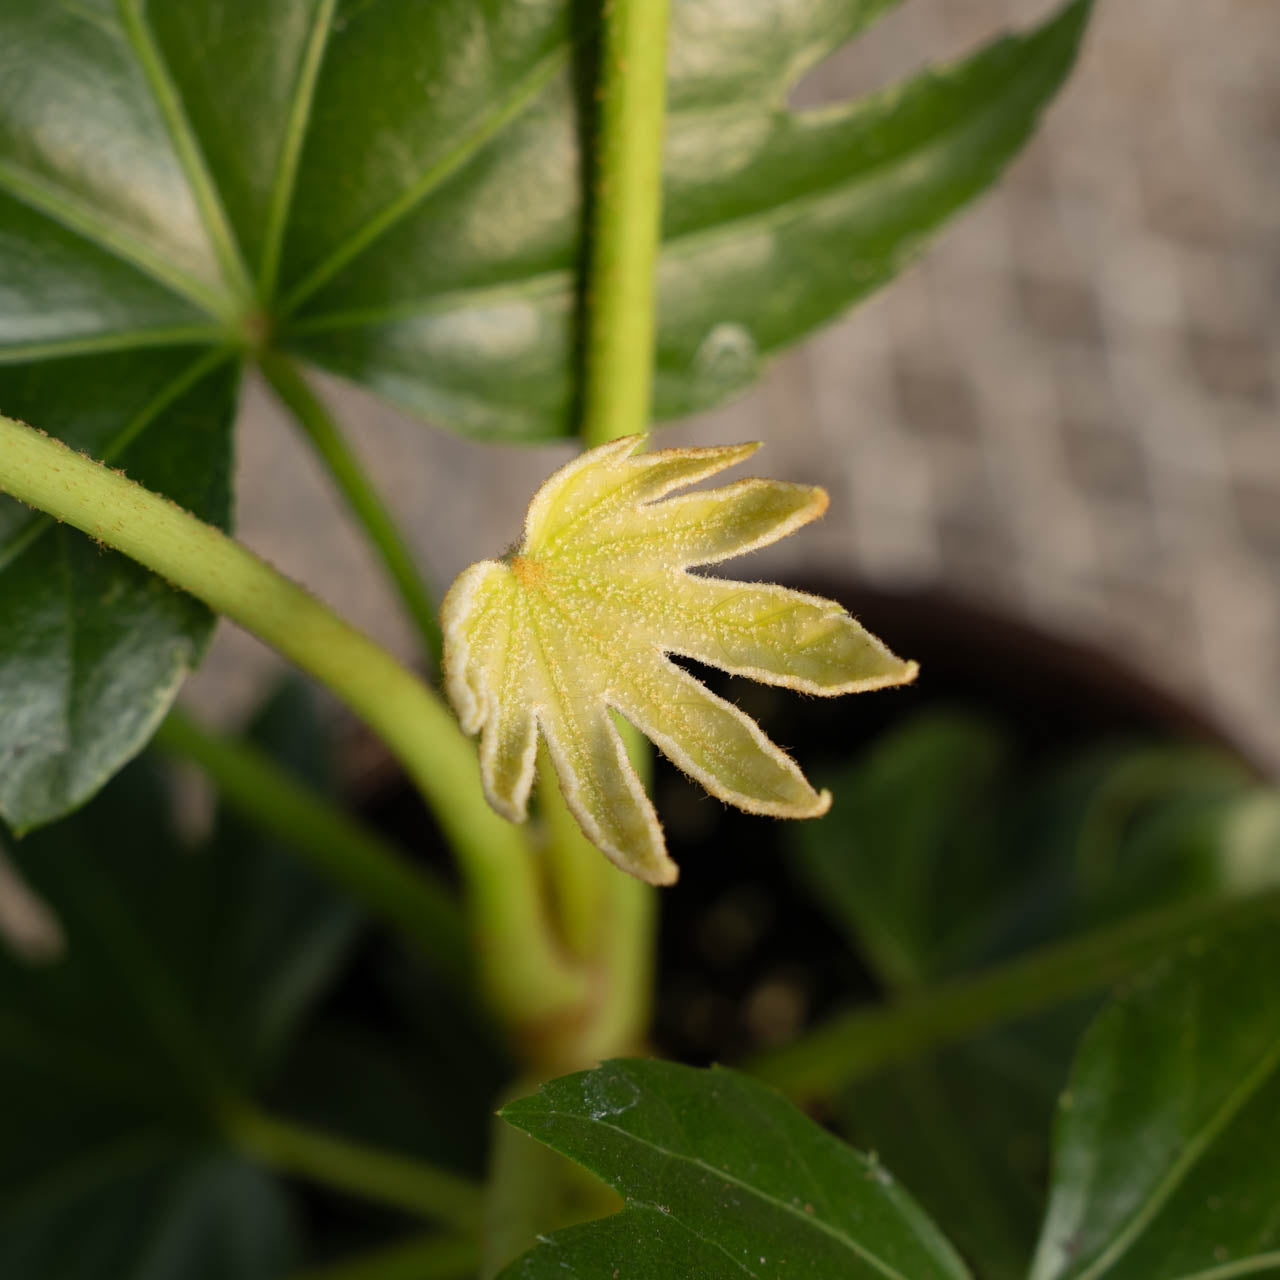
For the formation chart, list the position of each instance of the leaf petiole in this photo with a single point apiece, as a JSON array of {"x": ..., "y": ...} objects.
[
  {"x": 363, "y": 499},
  {"x": 855, "y": 1045},
  {"x": 378, "y": 875},
  {"x": 525, "y": 973},
  {"x": 385, "y": 1177}
]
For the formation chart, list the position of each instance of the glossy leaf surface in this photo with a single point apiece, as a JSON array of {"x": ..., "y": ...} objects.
[
  {"x": 948, "y": 852},
  {"x": 722, "y": 1178},
  {"x": 182, "y": 976},
  {"x": 578, "y": 623},
  {"x": 92, "y": 647},
  {"x": 394, "y": 190},
  {"x": 457, "y": 296},
  {"x": 1167, "y": 1154}
]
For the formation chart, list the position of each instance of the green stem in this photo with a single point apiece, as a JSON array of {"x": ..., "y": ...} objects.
[
  {"x": 855, "y": 1045},
  {"x": 526, "y": 974},
  {"x": 432, "y": 1258},
  {"x": 626, "y": 221},
  {"x": 608, "y": 917},
  {"x": 408, "y": 897},
  {"x": 370, "y": 1174},
  {"x": 573, "y": 866},
  {"x": 361, "y": 496},
  {"x": 625, "y": 962}
]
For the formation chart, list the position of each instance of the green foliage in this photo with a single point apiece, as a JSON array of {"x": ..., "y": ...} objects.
[
  {"x": 395, "y": 191},
  {"x": 947, "y": 853},
  {"x": 184, "y": 977},
  {"x": 92, "y": 646},
  {"x": 1165, "y": 1153},
  {"x": 908, "y": 860},
  {"x": 188, "y": 975},
  {"x": 722, "y": 1178},
  {"x": 1164, "y": 1169}
]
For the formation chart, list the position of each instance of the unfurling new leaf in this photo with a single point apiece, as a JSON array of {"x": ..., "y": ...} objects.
[{"x": 578, "y": 624}]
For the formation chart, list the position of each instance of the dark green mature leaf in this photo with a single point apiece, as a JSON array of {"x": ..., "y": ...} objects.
[
  {"x": 394, "y": 190},
  {"x": 722, "y": 1178},
  {"x": 942, "y": 854},
  {"x": 910, "y": 856},
  {"x": 185, "y": 972},
  {"x": 967, "y": 1130},
  {"x": 457, "y": 298},
  {"x": 92, "y": 647},
  {"x": 1167, "y": 1155}
]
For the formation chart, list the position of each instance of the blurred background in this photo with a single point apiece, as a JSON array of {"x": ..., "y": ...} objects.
[{"x": 1067, "y": 409}]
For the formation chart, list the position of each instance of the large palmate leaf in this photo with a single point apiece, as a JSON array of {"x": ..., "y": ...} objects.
[
  {"x": 1167, "y": 1161},
  {"x": 184, "y": 975},
  {"x": 394, "y": 190},
  {"x": 722, "y": 1179},
  {"x": 451, "y": 286},
  {"x": 579, "y": 623}
]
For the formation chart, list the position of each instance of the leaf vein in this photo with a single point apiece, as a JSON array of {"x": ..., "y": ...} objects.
[
  {"x": 828, "y": 1229},
  {"x": 169, "y": 102},
  {"x": 691, "y": 242},
  {"x": 1231, "y": 1106},
  {"x": 122, "y": 245},
  {"x": 286, "y": 179},
  {"x": 491, "y": 123}
]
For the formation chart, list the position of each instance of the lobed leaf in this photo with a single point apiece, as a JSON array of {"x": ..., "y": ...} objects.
[
  {"x": 579, "y": 624},
  {"x": 1166, "y": 1157},
  {"x": 723, "y": 1179}
]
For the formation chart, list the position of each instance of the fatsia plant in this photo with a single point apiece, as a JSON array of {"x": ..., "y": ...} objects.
[
  {"x": 457, "y": 205},
  {"x": 1164, "y": 1164},
  {"x": 579, "y": 620},
  {"x": 396, "y": 191}
]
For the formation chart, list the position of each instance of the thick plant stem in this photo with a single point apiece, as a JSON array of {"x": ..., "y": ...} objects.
[
  {"x": 574, "y": 867},
  {"x": 856, "y": 1045},
  {"x": 363, "y": 499},
  {"x": 526, "y": 976},
  {"x": 376, "y": 874},
  {"x": 626, "y": 221},
  {"x": 381, "y": 1176},
  {"x": 608, "y": 918}
]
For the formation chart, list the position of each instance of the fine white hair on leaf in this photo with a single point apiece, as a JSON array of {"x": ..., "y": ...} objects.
[{"x": 580, "y": 621}]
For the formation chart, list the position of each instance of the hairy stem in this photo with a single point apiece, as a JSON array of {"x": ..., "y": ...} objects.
[
  {"x": 606, "y": 918},
  {"x": 363, "y": 499},
  {"x": 525, "y": 973},
  {"x": 609, "y": 918},
  {"x": 855, "y": 1045},
  {"x": 375, "y": 873},
  {"x": 626, "y": 221},
  {"x": 573, "y": 867},
  {"x": 381, "y": 1176}
]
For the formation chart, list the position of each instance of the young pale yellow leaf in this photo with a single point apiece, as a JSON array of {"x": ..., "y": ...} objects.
[{"x": 577, "y": 625}]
